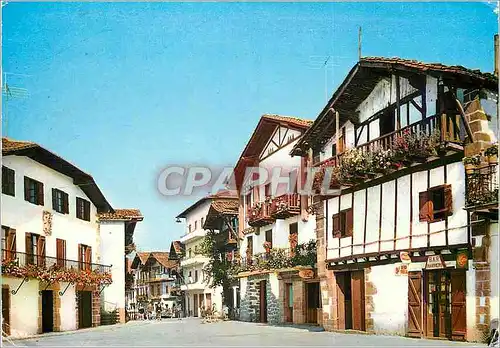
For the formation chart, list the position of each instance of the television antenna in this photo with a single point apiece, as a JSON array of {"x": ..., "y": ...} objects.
[{"x": 11, "y": 92}]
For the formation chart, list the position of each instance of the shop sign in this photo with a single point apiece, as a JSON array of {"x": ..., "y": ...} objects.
[
  {"x": 306, "y": 273},
  {"x": 405, "y": 257},
  {"x": 435, "y": 262},
  {"x": 462, "y": 259},
  {"x": 402, "y": 270}
]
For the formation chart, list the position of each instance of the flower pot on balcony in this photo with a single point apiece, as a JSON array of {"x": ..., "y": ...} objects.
[
  {"x": 493, "y": 159},
  {"x": 469, "y": 168}
]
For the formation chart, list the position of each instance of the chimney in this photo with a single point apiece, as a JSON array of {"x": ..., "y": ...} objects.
[{"x": 496, "y": 55}]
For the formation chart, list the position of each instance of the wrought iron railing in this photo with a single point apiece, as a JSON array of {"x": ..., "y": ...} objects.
[
  {"x": 482, "y": 186},
  {"x": 24, "y": 259}
]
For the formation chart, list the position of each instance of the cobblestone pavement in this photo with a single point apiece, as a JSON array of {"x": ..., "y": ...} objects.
[{"x": 191, "y": 332}]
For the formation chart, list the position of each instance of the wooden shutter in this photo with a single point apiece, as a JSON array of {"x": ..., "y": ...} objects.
[
  {"x": 41, "y": 250},
  {"x": 458, "y": 309},
  {"x": 11, "y": 244},
  {"x": 80, "y": 260},
  {"x": 54, "y": 200},
  {"x": 424, "y": 206},
  {"x": 40, "y": 194},
  {"x": 349, "y": 223},
  {"x": 86, "y": 210},
  {"x": 415, "y": 304},
  {"x": 61, "y": 252},
  {"x": 65, "y": 203},
  {"x": 29, "y": 246},
  {"x": 448, "y": 200},
  {"x": 26, "y": 188},
  {"x": 336, "y": 226}
]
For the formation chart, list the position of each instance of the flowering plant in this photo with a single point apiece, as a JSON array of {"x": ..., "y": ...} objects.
[
  {"x": 267, "y": 245},
  {"x": 55, "y": 273}
]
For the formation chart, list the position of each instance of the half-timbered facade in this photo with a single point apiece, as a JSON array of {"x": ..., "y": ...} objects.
[
  {"x": 394, "y": 240},
  {"x": 273, "y": 222}
]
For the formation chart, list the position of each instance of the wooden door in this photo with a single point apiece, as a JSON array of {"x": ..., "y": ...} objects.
[
  {"x": 358, "y": 300},
  {"x": 340, "y": 279},
  {"x": 444, "y": 304},
  {"x": 84, "y": 309},
  {"x": 263, "y": 302},
  {"x": 415, "y": 304},
  {"x": 458, "y": 313},
  {"x": 289, "y": 302},
  {"x": 5, "y": 312},
  {"x": 195, "y": 305},
  {"x": 47, "y": 311}
]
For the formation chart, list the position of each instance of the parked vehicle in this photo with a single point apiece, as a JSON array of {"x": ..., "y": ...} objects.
[{"x": 493, "y": 340}]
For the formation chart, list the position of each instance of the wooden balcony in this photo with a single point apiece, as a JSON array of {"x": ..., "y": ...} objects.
[
  {"x": 285, "y": 206},
  {"x": 402, "y": 148},
  {"x": 260, "y": 214},
  {"x": 482, "y": 188}
]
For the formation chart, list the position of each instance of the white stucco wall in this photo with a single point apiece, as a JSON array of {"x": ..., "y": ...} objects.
[
  {"x": 112, "y": 250},
  {"x": 23, "y": 307},
  {"x": 389, "y": 311}
]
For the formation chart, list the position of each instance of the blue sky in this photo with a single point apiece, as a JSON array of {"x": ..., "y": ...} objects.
[{"x": 126, "y": 89}]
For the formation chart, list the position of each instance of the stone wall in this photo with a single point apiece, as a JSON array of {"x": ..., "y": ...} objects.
[{"x": 250, "y": 303}]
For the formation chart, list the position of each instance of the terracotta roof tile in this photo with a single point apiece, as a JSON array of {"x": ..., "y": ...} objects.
[
  {"x": 289, "y": 119},
  {"x": 9, "y": 145},
  {"x": 122, "y": 214},
  {"x": 163, "y": 259},
  {"x": 143, "y": 256}
]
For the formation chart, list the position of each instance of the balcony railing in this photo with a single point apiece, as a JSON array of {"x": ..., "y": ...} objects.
[
  {"x": 260, "y": 214},
  {"x": 482, "y": 186},
  {"x": 23, "y": 259},
  {"x": 285, "y": 206}
]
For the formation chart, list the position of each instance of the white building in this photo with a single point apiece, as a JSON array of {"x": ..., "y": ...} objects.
[
  {"x": 55, "y": 260},
  {"x": 197, "y": 292},
  {"x": 276, "y": 214},
  {"x": 400, "y": 248}
]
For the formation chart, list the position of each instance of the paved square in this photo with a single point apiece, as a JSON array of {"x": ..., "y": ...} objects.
[{"x": 191, "y": 332}]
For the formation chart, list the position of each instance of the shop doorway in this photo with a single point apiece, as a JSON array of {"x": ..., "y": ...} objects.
[
  {"x": 313, "y": 302},
  {"x": 195, "y": 305},
  {"x": 5, "y": 312},
  {"x": 351, "y": 300},
  {"x": 436, "y": 304},
  {"x": 84, "y": 309},
  {"x": 289, "y": 302},
  {"x": 47, "y": 311},
  {"x": 263, "y": 301}
]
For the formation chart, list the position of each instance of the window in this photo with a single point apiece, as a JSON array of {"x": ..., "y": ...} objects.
[
  {"x": 84, "y": 256},
  {"x": 269, "y": 237},
  {"x": 293, "y": 236},
  {"x": 334, "y": 150},
  {"x": 35, "y": 249},
  {"x": 267, "y": 190},
  {"x": 387, "y": 122},
  {"x": 33, "y": 191},
  {"x": 8, "y": 243},
  {"x": 435, "y": 204},
  {"x": 249, "y": 246},
  {"x": 196, "y": 225},
  {"x": 60, "y": 201},
  {"x": 189, "y": 252},
  {"x": 343, "y": 224},
  {"x": 61, "y": 252},
  {"x": 201, "y": 222},
  {"x": 196, "y": 276},
  {"x": 8, "y": 181},
  {"x": 248, "y": 200},
  {"x": 82, "y": 209},
  {"x": 341, "y": 145},
  {"x": 189, "y": 229},
  {"x": 316, "y": 156}
]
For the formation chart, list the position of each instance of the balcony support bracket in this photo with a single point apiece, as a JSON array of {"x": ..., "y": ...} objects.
[
  {"x": 61, "y": 293},
  {"x": 102, "y": 288},
  {"x": 48, "y": 284},
  {"x": 25, "y": 280}
]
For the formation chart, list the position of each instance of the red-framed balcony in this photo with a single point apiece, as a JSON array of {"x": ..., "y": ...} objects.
[
  {"x": 260, "y": 214},
  {"x": 285, "y": 206}
]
